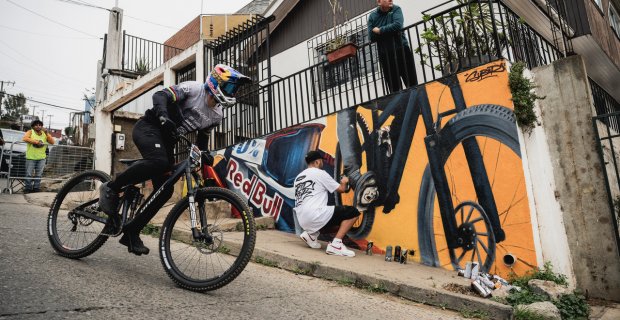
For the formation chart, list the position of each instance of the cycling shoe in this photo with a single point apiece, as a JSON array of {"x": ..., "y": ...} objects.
[{"x": 134, "y": 244}]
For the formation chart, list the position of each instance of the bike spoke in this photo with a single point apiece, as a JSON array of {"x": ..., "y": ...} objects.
[
  {"x": 484, "y": 247},
  {"x": 478, "y": 254},
  {"x": 469, "y": 214},
  {"x": 476, "y": 220},
  {"x": 458, "y": 260}
]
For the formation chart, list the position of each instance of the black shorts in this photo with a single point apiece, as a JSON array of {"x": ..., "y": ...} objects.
[{"x": 342, "y": 213}]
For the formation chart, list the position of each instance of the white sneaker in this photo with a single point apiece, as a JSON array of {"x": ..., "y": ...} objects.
[
  {"x": 311, "y": 239},
  {"x": 339, "y": 250}
]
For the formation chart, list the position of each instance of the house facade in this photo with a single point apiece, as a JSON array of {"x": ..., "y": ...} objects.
[{"x": 431, "y": 189}]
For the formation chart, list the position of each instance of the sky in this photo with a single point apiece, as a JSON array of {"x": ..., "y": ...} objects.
[{"x": 50, "y": 48}]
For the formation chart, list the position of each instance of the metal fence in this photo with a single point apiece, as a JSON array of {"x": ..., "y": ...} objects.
[
  {"x": 62, "y": 162},
  {"x": 141, "y": 55},
  {"x": 607, "y": 130},
  {"x": 608, "y": 143},
  {"x": 443, "y": 43}
]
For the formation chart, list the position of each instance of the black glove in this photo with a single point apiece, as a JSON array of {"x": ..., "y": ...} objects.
[
  {"x": 207, "y": 158},
  {"x": 169, "y": 128}
]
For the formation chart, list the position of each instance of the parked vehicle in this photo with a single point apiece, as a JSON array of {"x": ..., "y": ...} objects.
[{"x": 11, "y": 136}]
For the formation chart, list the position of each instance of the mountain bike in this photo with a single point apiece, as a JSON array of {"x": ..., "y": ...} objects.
[
  {"x": 192, "y": 245},
  {"x": 460, "y": 182}
]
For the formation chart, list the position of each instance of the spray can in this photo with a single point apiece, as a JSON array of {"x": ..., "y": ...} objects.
[
  {"x": 480, "y": 288},
  {"x": 397, "y": 253},
  {"x": 388, "y": 253},
  {"x": 403, "y": 256},
  {"x": 475, "y": 270},
  {"x": 369, "y": 248},
  {"x": 467, "y": 270}
]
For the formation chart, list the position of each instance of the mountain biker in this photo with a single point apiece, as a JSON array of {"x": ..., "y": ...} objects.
[{"x": 177, "y": 110}]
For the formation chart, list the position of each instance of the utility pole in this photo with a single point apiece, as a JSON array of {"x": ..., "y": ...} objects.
[
  {"x": 2, "y": 91},
  {"x": 42, "y": 115},
  {"x": 49, "y": 124},
  {"x": 33, "y": 110}
]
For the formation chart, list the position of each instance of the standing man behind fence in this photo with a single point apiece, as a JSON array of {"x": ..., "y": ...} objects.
[
  {"x": 385, "y": 26},
  {"x": 37, "y": 139}
]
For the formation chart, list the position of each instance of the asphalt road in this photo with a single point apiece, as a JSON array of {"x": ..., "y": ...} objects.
[{"x": 36, "y": 283}]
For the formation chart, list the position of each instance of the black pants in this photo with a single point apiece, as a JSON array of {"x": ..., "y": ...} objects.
[
  {"x": 341, "y": 213},
  {"x": 396, "y": 63},
  {"x": 157, "y": 160}
]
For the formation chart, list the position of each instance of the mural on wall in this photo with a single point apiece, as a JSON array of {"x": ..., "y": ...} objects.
[{"x": 435, "y": 170}]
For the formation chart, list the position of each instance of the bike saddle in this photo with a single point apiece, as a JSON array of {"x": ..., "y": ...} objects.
[{"x": 128, "y": 161}]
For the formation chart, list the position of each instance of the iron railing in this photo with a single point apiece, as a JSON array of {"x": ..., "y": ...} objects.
[
  {"x": 141, "y": 55},
  {"x": 608, "y": 145},
  {"x": 605, "y": 106},
  {"x": 441, "y": 44}
]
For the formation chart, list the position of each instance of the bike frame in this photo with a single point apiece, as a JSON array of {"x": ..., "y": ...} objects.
[
  {"x": 418, "y": 105},
  {"x": 183, "y": 168}
]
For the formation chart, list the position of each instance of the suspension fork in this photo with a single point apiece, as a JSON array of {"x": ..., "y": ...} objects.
[
  {"x": 477, "y": 169},
  {"x": 191, "y": 196}
]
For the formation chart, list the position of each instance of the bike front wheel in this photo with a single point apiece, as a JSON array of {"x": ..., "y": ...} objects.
[
  {"x": 492, "y": 128},
  {"x": 223, "y": 249},
  {"x": 75, "y": 225}
]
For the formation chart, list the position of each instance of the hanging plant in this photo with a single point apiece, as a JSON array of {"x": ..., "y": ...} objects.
[{"x": 523, "y": 97}]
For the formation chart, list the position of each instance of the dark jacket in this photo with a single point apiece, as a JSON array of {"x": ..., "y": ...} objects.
[{"x": 391, "y": 24}]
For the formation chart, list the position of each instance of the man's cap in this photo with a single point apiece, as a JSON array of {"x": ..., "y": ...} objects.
[{"x": 313, "y": 155}]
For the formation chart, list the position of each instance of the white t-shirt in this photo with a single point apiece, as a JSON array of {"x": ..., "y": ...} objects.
[{"x": 312, "y": 187}]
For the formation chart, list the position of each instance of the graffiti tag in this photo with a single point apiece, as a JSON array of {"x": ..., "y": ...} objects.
[
  {"x": 488, "y": 72},
  {"x": 255, "y": 190},
  {"x": 303, "y": 190}
]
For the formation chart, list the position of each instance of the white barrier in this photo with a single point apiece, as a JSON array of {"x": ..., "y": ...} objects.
[{"x": 62, "y": 162}]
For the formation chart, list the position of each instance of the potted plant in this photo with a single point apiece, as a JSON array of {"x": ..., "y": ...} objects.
[
  {"x": 460, "y": 38},
  {"x": 339, "y": 47},
  {"x": 142, "y": 66}
]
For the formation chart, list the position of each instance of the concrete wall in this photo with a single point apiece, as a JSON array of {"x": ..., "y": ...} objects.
[{"x": 579, "y": 183}]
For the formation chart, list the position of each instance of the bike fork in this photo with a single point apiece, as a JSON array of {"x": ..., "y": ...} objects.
[{"x": 453, "y": 238}]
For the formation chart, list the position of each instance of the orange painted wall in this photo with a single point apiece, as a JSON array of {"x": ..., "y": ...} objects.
[{"x": 399, "y": 227}]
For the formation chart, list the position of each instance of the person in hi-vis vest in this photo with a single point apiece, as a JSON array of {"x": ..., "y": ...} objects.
[{"x": 37, "y": 139}]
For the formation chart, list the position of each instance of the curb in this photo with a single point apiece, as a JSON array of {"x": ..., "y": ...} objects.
[{"x": 439, "y": 298}]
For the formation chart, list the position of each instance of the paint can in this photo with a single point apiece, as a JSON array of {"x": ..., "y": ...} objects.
[
  {"x": 467, "y": 270},
  {"x": 480, "y": 288},
  {"x": 369, "y": 248},
  {"x": 388, "y": 253},
  {"x": 475, "y": 269}
]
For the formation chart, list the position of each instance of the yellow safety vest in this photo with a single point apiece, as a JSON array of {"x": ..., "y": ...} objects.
[{"x": 34, "y": 153}]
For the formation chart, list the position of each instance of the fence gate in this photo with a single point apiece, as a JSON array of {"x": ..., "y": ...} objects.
[{"x": 245, "y": 48}]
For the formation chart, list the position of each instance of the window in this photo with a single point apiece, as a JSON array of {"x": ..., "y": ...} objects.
[
  {"x": 614, "y": 19},
  {"x": 187, "y": 73}
]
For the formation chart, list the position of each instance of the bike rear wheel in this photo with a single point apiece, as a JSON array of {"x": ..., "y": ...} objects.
[
  {"x": 70, "y": 232},
  {"x": 202, "y": 265}
]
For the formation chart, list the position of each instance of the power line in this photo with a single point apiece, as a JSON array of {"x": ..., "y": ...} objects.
[
  {"x": 161, "y": 25},
  {"x": 46, "y": 18},
  {"x": 45, "y": 35},
  {"x": 45, "y": 103},
  {"x": 82, "y": 3},
  {"x": 39, "y": 67}
]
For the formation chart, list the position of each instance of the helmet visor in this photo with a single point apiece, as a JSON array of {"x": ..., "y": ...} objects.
[{"x": 229, "y": 88}]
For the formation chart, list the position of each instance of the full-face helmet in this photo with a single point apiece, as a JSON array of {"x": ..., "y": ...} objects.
[{"x": 223, "y": 83}]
